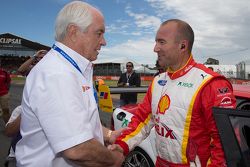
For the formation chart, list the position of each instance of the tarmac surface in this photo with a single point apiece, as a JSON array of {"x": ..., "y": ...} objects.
[{"x": 16, "y": 91}]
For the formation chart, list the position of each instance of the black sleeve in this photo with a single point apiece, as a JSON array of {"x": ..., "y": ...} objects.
[
  {"x": 120, "y": 79},
  {"x": 138, "y": 80}
]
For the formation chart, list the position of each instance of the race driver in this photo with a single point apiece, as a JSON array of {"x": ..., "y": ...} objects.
[{"x": 179, "y": 105}]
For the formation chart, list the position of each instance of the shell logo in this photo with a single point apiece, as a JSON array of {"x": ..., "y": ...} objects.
[{"x": 163, "y": 104}]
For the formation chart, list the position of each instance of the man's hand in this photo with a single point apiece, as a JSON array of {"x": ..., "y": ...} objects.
[
  {"x": 117, "y": 156},
  {"x": 121, "y": 84},
  {"x": 38, "y": 56},
  {"x": 115, "y": 147},
  {"x": 116, "y": 134}
]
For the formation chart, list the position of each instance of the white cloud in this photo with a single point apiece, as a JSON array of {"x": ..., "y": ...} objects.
[
  {"x": 140, "y": 51},
  {"x": 143, "y": 20},
  {"x": 219, "y": 26}
]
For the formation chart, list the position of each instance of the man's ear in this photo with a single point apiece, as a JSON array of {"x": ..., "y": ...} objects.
[
  {"x": 72, "y": 32},
  {"x": 182, "y": 46}
]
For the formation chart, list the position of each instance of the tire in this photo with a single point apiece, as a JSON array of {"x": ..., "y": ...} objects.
[
  {"x": 138, "y": 158},
  {"x": 244, "y": 105}
]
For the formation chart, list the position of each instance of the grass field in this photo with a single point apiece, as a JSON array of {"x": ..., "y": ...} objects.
[{"x": 18, "y": 80}]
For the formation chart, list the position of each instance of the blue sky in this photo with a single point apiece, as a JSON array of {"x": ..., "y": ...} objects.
[{"x": 221, "y": 27}]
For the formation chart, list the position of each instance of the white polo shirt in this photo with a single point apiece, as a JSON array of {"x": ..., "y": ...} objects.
[{"x": 59, "y": 110}]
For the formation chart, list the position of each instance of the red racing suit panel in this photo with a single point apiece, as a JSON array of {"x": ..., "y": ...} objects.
[
  {"x": 204, "y": 134},
  {"x": 140, "y": 125}
]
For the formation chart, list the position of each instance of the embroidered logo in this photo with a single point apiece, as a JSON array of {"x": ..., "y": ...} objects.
[
  {"x": 163, "y": 104},
  {"x": 203, "y": 76},
  {"x": 226, "y": 101},
  {"x": 162, "y": 82},
  {"x": 85, "y": 88},
  {"x": 223, "y": 90},
  {"x": 185, "y": 84},
  {"x": 164, "y": 131},
  {"x": 125, "y": 122},
  {"x": 103, "y": 95}
]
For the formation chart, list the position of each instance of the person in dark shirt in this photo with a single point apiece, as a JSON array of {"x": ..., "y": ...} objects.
[
  {"x": 128, "y": 79},
  {"x": 159, "y": 68},
  {"x": 4, "y": 94}
]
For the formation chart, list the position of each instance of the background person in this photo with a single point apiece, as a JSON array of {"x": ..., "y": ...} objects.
[
  {"x": 159, "y": 68},
  {"x": 179, "y": 105},
  {"x": 60, "y": 124},
  {"x": 4, "y": 94},
  {"x": 12, "y": 128},
  {"x": 128, "y": 79},
  {"x": 25, "y": 68}
]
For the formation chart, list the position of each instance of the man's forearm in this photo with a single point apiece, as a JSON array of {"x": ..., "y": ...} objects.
[
  {"x": 13, "y": 128},
  {"x": 25, "y": 66},
  {"x": 90, "y": 153}
]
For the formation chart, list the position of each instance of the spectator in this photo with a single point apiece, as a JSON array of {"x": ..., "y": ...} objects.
[
  {"x": 12, "y": 130},
  {"x": 60, "y": 123},
  {"x": 179, "y": 105},
  {"x": 4, "y": 94},
  {"x": 129, "y": 79},
  {"x": 25, "y": 68},
  {"x": 160, "y": 69}
]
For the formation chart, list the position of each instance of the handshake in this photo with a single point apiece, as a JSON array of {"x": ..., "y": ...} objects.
[
  {"x": 117, "y": 154},
  {"x": 115, "y": 149}
]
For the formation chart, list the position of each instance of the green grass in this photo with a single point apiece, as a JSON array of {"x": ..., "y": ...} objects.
[{"x": 19, "y": 80}]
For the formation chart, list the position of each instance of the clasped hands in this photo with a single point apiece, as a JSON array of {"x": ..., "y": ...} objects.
[{"x": 116, "y": 150}]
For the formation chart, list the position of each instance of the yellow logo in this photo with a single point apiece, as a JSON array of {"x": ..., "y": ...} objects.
[{"x": 163, "y": 104}]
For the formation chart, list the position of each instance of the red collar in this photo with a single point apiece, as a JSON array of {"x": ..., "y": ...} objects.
[{"x": 183, "y": 70}]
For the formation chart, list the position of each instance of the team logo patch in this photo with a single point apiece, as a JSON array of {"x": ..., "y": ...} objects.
[
  {"x": 164, "y": 131},
  {"x": 162, "y": 82},
  {"x": 85, "y": 88},
  {"x": 203, "y": 76},
  {"x": 103, "y": 95},
  {"x": 223, "y": 90},
  {"x": 226, "y": 101},
  {"x": 185, "y": 84},
  {"x": 163, "y": 104}
]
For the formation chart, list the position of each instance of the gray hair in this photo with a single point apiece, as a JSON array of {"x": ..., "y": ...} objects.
[{"x": 76, "y": 12}]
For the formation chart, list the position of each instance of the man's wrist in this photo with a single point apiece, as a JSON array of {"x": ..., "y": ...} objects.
[{"x": 109, "y": 134}]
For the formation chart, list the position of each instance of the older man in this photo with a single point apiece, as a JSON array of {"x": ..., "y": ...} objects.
[
  {"x": 179, "y": 105},
  {"x": 60, "y": 124}
]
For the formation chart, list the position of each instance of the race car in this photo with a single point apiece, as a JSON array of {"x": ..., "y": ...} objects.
[{"x": 144, "y": 155}]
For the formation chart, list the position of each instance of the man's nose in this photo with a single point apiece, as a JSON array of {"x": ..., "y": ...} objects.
[
  {"x": 156, "y": 48},
  {"x": 103, "y": 42}
]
